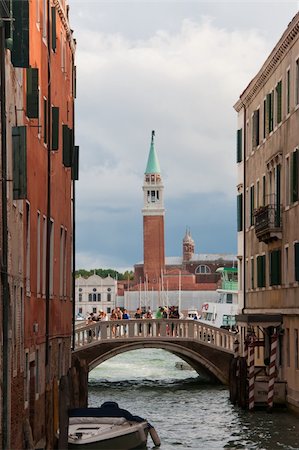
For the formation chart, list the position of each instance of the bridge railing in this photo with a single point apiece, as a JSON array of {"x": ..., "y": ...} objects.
[{"x": 154, "y": 329}]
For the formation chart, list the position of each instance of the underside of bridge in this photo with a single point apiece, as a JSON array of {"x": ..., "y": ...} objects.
[{"x": 206, "y": 360}]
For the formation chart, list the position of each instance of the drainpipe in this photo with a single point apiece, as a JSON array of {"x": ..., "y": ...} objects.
[
  {"x": 4, "y": 268},
  {"x": 48, "y": 244}
]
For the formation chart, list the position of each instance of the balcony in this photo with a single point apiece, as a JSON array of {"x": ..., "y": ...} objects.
[{"x": 267, "y": 222}]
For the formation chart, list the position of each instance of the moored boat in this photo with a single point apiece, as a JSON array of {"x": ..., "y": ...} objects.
[
  {"x": 108, "y": 428},
  {"x": 223, "y": 313}
]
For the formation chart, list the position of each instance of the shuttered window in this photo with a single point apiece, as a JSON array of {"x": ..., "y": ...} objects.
[
  {"x": 288, "y": 91},
  {"x": 75, "y": 166},
  {"x": 239, "y": 145},
  {"x": 32, "y": 93},
  {"x": 256, "y": 128},
  {"x": 270, "y": 105},
  {"x": 261, "y": 271},
  {"x": 278, "y": 102},
  {"x": 240, "y": 212},
  {"x": 67, "y": 153},
  {"x": 53, "y": 23},
  {"x": 296, "y": 251},
  {"x": 278, "y": 194},
  {"x": 19, "y": 143},
  {"x": 252, "y": 205},
  {"x": 20, "y": 50},
  {"x": 264, "y": 190},
  {"x": 55, "y": 128},
  {"x": 45, "y": 120},
  {"x": 294, "y": 190},
  {"x": 275, "y": 267}
]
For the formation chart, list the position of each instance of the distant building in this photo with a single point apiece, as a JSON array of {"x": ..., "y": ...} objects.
[
  {"x": 94, "y": 294},
  {"x": 188, "y": 280},
  {"x": 268, "y": 211}
]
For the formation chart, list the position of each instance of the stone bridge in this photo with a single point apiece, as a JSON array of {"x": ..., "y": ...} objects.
[{"x": 207, "y": 349}]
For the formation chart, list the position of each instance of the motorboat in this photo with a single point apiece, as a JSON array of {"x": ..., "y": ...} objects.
[{"x": 108, "y": 428}]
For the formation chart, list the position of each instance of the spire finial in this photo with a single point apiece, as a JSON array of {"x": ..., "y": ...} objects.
[{"x": 153, "y": 135}]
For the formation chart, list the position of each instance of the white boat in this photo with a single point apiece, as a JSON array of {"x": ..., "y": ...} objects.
[
  {"x": 108, "y": 428},
  {"x": 222, "y": 314}
]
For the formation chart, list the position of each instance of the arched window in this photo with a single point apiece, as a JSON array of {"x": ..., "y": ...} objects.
[
  {"x": 80, "y": 297},
  {"x": 99, "y": 297},
  {"x": 108, "y": 297},
  {"x": 90, "y": 297},
  {"x": 94, "y": 297},
  {"x": 202, "y": 268}
]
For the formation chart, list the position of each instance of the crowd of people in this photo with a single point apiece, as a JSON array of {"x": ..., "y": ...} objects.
[{"x": 162, "y": 312}]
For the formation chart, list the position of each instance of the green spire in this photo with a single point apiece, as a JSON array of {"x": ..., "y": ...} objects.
[{"x": 153, "y": 165}]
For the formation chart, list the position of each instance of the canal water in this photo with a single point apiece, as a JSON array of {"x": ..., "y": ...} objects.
[{"x": 187, "y": 412}]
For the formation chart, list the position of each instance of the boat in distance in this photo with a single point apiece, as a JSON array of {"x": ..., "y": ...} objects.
[{"x": 108, "y": 428}]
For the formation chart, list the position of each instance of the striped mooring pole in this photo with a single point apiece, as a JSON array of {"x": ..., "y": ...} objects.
[
  {"x": 251, "y": 376},
  {"x": 272, "y": 369}
]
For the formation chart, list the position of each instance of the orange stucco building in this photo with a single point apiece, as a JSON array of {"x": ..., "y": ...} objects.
[{"x": 42, "y": 164}]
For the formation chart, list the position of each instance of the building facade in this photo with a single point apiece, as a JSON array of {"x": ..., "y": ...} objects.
[
  {"x": 268, "y": 211},
  {"x": 37, "y": 142},
  {"x": 94, "y": 294}
]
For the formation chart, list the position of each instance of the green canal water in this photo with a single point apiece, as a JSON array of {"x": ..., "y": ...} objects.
[{"x": 187, "y": 412}]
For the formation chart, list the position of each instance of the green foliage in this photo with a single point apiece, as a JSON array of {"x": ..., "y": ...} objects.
[{"x": 105, "y": 273}]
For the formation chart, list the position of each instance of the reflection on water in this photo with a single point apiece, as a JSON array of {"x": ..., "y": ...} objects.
[{"x": 186, "y": 412}]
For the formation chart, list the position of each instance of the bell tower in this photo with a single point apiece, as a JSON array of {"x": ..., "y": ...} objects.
[
  {"x": 188, "y": 246},
  {"x": 153, "y": 219}
]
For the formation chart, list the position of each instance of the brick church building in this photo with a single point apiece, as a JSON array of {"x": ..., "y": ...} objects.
[{"x": 160, "y": 273}]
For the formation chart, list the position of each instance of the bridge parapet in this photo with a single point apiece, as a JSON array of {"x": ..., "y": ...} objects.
[{"x": 154, "y": 329}]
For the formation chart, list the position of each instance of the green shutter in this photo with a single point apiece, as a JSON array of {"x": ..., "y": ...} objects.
[
  {"x": 20, "y": 50},
  {"x": 278, "y": 97},
  {"x": 240, "y": 212},
  {"x": 53, "y": 22},
  {"x": 19, "y": 144},
  {"x": 32, "y": 93},
  {"x": 256, "y": 128},
  {"x": 277, "y": 187},
  {"x": 45, "y": 121},
  {"x": 294, "y": 192},
  {"x": 75, "y": 166},
  {"x": 55, "y": 128},
  {"x": 261, "y": 272},
  {"x": 239, "y": 145},
  {"x": 275, "y": 267},
  {"x": 270, "y": 111},
  {"x": 296, "y": 250},
  {"x": 67, "y": 154},
  {"x": 251, "y": 205}
]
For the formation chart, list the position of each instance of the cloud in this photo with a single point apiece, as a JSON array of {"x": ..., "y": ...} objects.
[{"x": 182, "y": 84}]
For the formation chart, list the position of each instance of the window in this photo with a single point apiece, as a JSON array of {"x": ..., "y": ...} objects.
[
  {"x": 264, "y": 190},
  {"x": 296, "y": 257},
  {"x": 202, "y": 269},
  {"x": 55, "y": 128},
  {"x": 80, "y": 310},
  {"x": 108, "y": 289},
  {"x": 251, "y": 205},
  {"x": 53, "y": 23},
  {"x": 44, "y": 255},
  {"x": 90, "y": 297},
  {"x": 239, "y": 145},
  {"x": 45, "y": 120},
  {"x": 38, "y": 255},
  {"x": 51, "y": 271},
  {"x": 94, "y": 289},
  {"x": 37, "y": 371},
  {"x": 108, "y": 310},
  {"x": 297, "y": 83},
  {"x": 256, "y": 128},
  {"x": 19, "y": 142},
  {"x": 288, "y": 90},
  {"x": 275, "y": 268},
  {"x": 28, "y": 227},
  {"x": 261, "y": 271},
  {"x": 99, "y": 297},
  {"x": 287, "y": 181},
  {"x": 286, "y": 264},
  {"x": 288, "y": 347},
  {"x": 265, "y": 119},
  {"x": 32, "y": 93},
  {"x": 108, "y": 297},
  {"x": 44, "y": 20},
  {"x": 257, "y": 194},
  {"x": 240, "y": 212},
  {"x": 229, "y": 298},
  {"x": 252, "y": 273},
  {"x": 294, "y": 182},
  {"x": 61, "y": 262},
  {"x": 80, "y": 297},
  {"x": 94, "y": 310},
  {"x": 278, "y": 92},
  {"x": 94, "y": 297},
  {"x": 270, "y": 111},
  {"x": 296, "y": 344}
]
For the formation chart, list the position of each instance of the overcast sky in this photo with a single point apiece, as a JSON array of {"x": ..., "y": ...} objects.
[{"x": 176, "y": 67}]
